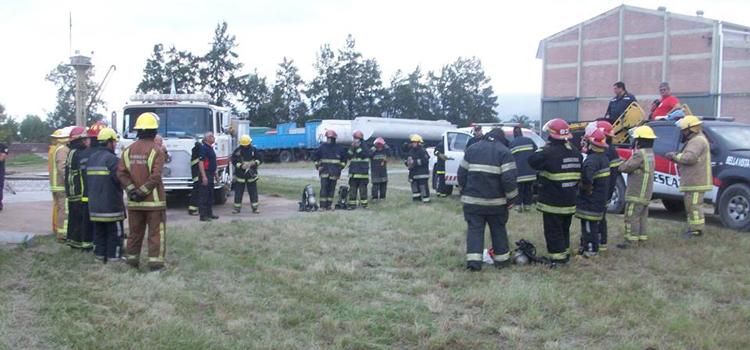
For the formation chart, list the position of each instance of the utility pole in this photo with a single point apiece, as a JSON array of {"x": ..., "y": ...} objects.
[{"x": 82, "y": 64}]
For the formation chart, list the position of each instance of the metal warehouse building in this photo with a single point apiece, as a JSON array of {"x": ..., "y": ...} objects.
[{"x": 706, "y": 62}]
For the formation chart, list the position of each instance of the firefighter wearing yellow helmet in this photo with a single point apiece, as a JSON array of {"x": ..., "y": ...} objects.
[
  {"x": 139, "y": 171},
  {"x": 417, "y": 161},
  {"x": 245, "y": 160},
  {"x": 640, "y": 170},
  {"x": 694, "y": 165},
  {"x": 58, "y": 153}
]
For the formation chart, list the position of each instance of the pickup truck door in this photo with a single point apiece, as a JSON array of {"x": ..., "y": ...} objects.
[
  {"x": 666, "y": 178},
  {"x": 455, "y": 142}
]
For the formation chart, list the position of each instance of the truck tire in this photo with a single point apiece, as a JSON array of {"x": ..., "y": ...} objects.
[
  {"x": 617, "y": 204},
  {"x": 734, "y": 207},
  {"x": 674, "y": 205},
  {"x": 286, "y": 156},
  {"x": 220, "y": 195}
]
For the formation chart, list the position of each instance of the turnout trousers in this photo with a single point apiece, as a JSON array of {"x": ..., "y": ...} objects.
[
  {"x": 358, "y": 187},
  {"x": 475, "y": 237},
  {"x": 694, "y": 211},
  {"x": 194, "y": 194},
  {"x": 442, "y": 189},
  {"x": 420, "y": 190},
  {"x": 590, "y": 235},
  {"x": 525, "y": 193},
  {"x": 75, "y": 224},
  {"x": 60, "y": 215},
  {"x": 603, "y": 232},
  {"x": 108, "y": 238},
  {"x": 205, "y": 198},
  {"x": 557, "y": 235},
  {"x": 239, "y": 192},
  {"x": 636, "y": 215},
  {"x": 378, "y": 189},
  {"x": 156, "y": 222},
  {"x": 327, "y": 191},
  {"x": 87, "y": 228}
]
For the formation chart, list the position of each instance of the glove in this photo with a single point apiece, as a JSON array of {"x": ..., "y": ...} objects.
[
  {"x": 245, "y": 165},
  {"x": 136, "y": 196}
]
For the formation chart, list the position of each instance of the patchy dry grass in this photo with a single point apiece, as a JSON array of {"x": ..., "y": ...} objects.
[{"x": 388, "y": 277}]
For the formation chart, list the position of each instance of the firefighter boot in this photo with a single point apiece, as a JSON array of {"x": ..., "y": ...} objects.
[
  {"x": 692, "y": 234},
  {"x": 502, "y": 264},
  {"x": 474, "y": 266}
]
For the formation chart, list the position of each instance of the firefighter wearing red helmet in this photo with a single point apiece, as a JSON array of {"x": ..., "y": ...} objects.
[
  {"x": 594, "y": 187},
  {"x": 87, "y": 226},
  {"x": 78, "y": 144},
  {"x": 359, "y": 170},
  {"x": 379, "y": 168},
  {"x": 329, "y": 159},
  {"x": 614, "y": 173},
  {"x": 559, "y": 166}
]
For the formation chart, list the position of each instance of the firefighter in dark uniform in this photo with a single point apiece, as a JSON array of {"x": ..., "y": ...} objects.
[
  {"x": 106, "y": 207},
  {"x": 559, "y": 166},
  {"x": 359, "y": 171},
  {"x": 443, "y": 190},
  {"x": 417, "y": 161},
  {"x": 87, "y": 226},
  {"x": 593, "y": 191},
  {"x": 245, "y": 160},
  {"x": 207, "y": 168},
  {"x": 74, "y": 186},
  {"x": 477, "y": 136},
  {"x": 140, "y": 174},
  {"x": 522, "y": 148},
  {"x": 614, "y": 174},
  {"x": 329, "y": 159},
  {"x": 379, "y": 168},
  {"x": 619, "y": 103},
  {"x": 487, "y": 175},
  {"x": 195, "y": 173}
]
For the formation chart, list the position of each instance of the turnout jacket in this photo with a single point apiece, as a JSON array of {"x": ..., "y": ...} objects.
[
  {"x": 73, "y": 175},
  {"x": 614, "y": 171},
  {"x": 522, "y": 148},
  {"x": 359, "y": 158},
  {"x": 140, "y": 169},
  {"x": 694, "y": 164},
  {"x": 245, "y": 160},
  {"x": 640, "y": 170},
  {"x": 419, "y": 168},
  {"x": 105, "y": 202},
  {"x": 83, "y": 159},
  {"x": 195, "y": 157},
  {"x": 57, "y": 168},
  {"x": 329, "y": 160},
  {"x": 379, "y": 164},
  {"x": 559, "y": 166},
  {"x": 439, "y": 152},
  {"x": 594, "y": 188},
  {"x": 487, "y": 176}
]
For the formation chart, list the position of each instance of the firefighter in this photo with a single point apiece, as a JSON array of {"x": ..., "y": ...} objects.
[
  {"x": 74, "y": 185},
  {"x": 139, "y": 171},
  {"x": 592, "y": 193},
  {"x": 487, "y": 176},
  {"x": 207, "y": 168},
  {"x": 329, "y": 160},
  {"x": 245, "y": 160},
  {"x": 57, "y": 156},
  {"x": 478, "y": 134},
  {"x": 195, "y": 173},
  {"x": 107, "y": 209},
  {"x": 379, "y": 168},
  {"x": 614, "y": 174},
  {"x": 419, "y": 172},
  {"x": 640, "y": 170},
  {"x": 87, "y": 227},
  {"x": 438, "y": 178},
  {"x": 522, "y": 148},
  {"x": 359, "y": 170},
  {"x": 694, "y": 165},
  {"x": 559, "y": 166}
]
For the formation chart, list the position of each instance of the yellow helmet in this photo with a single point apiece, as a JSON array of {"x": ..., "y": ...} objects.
[
  {"x": 245, "y": 140},
  {"x": 147, "y": 121},
  {"x": 416, "y": 138},
  {"x": 643, "y": 132},
  {"x": 689, "y": 122},
  {"x": 106, "y": 134}
]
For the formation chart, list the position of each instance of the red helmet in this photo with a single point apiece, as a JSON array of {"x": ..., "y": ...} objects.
[
  {"x": 331, "y": 134},
  {"x": 380, "y": 141},
  {"x": 95, "y": 128},
  {"x": 598, "y": 138},
  {"x": 358, "y": 135},
  {"x": 557, "y": 129},
  {"x": 77, "y": 132},
  {"x": 606, "y": 126}
]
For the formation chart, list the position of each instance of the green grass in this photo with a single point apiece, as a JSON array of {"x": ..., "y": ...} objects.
[
  {"x": 26, "y": 160},
  {"x": 389, "y": 277}
]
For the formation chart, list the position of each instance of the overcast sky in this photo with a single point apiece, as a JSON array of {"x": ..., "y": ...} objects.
[{"x": 399, "y": 34}]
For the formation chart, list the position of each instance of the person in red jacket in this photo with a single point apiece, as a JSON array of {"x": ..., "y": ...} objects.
[{"x": 667, "y": 104}]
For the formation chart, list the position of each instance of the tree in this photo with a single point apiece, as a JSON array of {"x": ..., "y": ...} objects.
[
  {"x": 64, "y": 78},
  {"x": 33, "y": 129},
  {"x": 323, "y": 90},
  {"x": 464, "y": 93},
  {"x": 409, "y": 97},
  {"x": 286, "y": 99},
  {"x": 8, "y": 127},
  {"x": 161, "y": 67},
  {"x": 522, "y": 120},
  {"x": 154, "y": 73},
  {"x": 219, "y": 72},
  {"x": 255, "y": 96}
]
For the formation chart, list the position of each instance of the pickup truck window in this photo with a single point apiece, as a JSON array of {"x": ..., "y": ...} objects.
[
  {"x": 733, "y": 137},
  {"x": 457, "y": 141},
  {"x": 668, "y": 139}
]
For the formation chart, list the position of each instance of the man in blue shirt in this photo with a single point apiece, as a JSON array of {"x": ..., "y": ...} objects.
[
  {"x": 619, "y": 103},
  {"x": 207, "y": 168}
]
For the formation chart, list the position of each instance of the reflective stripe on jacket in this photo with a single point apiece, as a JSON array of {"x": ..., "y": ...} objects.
[
  {"x": 594, "y": 188},
  {"x": 559, "y": 166},
  {"x": 140, "y": 168},
  {"x": 640, "y": 170},
  {"x": 105, "y": 196},
  {"x": 487, "y": 175},
  {"x": 694, "y": 164}
]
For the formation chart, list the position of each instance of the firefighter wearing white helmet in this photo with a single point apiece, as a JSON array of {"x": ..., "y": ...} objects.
[
  {"x": 245, "y": 160},
  {"x": 58, "y": 153},
  {"x": 694, "y": 164},
  {"x": 640, "y": 170},
  {"x": 139, "y": 171},
  {"x": 417, "y": 161}
]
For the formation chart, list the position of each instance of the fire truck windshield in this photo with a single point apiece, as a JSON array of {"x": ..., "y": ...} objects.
[{"x": 179, "y": 122}]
